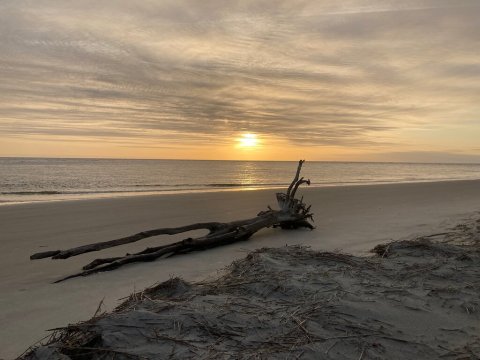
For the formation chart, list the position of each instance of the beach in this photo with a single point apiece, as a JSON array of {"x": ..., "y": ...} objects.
[
  {"x": 412, "y": 299},
  {"x": 352, "y": 219}
]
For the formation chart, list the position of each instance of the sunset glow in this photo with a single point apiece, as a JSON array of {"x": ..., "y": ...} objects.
[
  {"x": 328, "y": 80},
  {"x": 248, "y": 141}
]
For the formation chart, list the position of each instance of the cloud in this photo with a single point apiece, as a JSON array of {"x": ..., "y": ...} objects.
[{"x": 326, "y": 73}]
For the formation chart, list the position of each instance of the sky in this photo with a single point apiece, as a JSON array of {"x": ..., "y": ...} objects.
[{"x": 261, "y": 80}]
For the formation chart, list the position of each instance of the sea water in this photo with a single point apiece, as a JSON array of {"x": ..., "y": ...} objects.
[{"x": 47, "y": 179}]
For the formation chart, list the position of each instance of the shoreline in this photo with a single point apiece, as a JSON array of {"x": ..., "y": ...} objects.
[
  {"x": 127, "y": 194},
  {"x": 351, "y": 218}
]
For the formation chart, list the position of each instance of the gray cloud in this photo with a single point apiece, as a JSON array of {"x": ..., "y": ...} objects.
[{"x": 314, "y": 73}]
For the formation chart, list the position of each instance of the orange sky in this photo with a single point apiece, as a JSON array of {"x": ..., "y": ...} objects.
[{"x": 332, "y": 80}]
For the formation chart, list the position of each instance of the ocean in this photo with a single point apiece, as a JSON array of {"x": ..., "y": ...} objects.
[{"x": 47, "y": 179}]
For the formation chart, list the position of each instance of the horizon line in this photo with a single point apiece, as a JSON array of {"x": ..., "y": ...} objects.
[{"x": 242, "y": 160}]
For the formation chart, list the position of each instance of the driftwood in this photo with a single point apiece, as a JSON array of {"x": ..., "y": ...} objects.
[{"x": 293, "y": 214}]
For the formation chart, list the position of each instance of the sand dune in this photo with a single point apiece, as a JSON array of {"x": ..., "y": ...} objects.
[{"x": 417, "y": 299}]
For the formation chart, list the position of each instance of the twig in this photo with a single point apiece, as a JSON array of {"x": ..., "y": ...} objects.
[
  {"x": 99, "y": 308},
  {"x": 363, "y": 352},
  {"x": 103, "y": 350},
  {"x": 331, "y": 347}
]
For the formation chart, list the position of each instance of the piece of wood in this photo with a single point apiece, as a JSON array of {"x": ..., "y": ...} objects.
[
  {"x": 64, "y": 254},
  {"x": 293, "y": 214}
]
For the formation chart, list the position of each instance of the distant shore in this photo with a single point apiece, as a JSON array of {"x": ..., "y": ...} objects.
[{"x": 351, "y": 218}]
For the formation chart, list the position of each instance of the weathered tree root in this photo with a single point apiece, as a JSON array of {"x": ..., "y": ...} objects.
[{"x": 293, "y": 214}]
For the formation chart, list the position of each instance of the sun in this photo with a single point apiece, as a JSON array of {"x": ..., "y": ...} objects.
[{"x": 248, "y": 140}]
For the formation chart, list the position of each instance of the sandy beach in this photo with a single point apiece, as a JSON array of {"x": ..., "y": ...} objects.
[{"x": 352, "y": 219}]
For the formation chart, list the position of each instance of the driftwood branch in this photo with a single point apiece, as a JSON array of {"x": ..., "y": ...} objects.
[
  {"x": 295, "y": 179},
  {"x": 293, "y": 214},
  {"x": 64, "y": 254}
]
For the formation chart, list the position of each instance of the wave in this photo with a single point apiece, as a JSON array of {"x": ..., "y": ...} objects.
[
  {"x": 46, "y": 192},
  {"x": 164, "y": 188},
  {"x": 70, "y": 192},
  {"x": 246, "y": 185},
  {"x": 209, "y": 185},
  {"x": 151, "y": 188}
]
